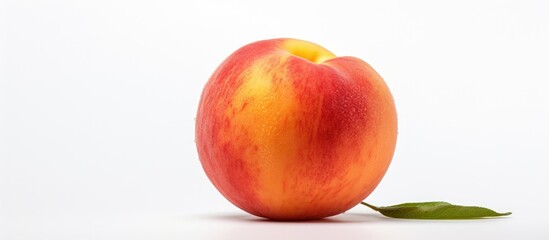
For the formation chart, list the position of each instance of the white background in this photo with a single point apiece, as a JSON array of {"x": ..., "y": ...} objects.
[{"x": 98, "y": 99}]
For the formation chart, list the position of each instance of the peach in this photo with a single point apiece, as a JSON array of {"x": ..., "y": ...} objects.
[{"x": 286, "y": 130}]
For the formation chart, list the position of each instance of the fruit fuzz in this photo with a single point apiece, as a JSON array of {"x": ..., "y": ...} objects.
[{"x": 286, "y": 130}]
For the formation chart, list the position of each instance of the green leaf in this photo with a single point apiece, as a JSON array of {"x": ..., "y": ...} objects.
[{"x": 435, "y": 210}]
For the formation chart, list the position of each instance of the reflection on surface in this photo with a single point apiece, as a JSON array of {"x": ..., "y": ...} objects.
[
  {"x": 342, "y": 218},
  {"x": 244, "y": 227}
]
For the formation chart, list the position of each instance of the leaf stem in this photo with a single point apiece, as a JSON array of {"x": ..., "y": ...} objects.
[{"x": 370, "y": 206}]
